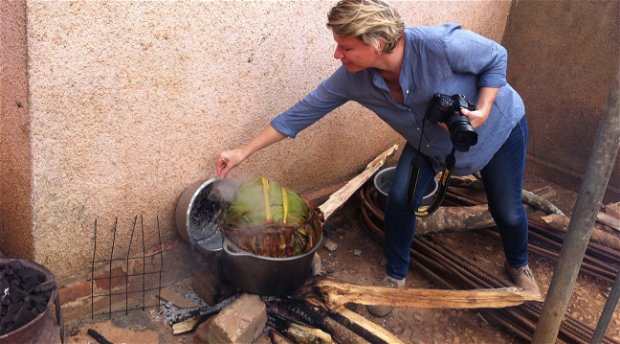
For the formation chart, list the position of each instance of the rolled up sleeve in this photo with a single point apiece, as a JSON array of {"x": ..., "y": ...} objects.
[
  {"x": 468, "y": 52},
  {"x": 322, "y": 100}
]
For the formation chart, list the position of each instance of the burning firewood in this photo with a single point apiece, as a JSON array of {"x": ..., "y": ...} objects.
[
  {"x": 362, "y": 327},
  {"x": 298, "y": 333},
  {"x": 315, "y": 316},
  {"x": 365, "y": 327},
  {"x": 278, "y": 338}
]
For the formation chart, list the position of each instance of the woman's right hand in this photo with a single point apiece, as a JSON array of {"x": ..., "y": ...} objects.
[
  {"x": 227, "y": 160},
  {"x": 231, "y": 158}
]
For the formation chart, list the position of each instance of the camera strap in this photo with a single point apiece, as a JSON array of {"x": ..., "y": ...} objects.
[{"x": 414, "y": 173}]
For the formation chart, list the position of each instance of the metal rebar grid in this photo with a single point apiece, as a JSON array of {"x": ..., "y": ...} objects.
[
  {"x": 450, "y": 270},
  {"x": 126, "y": 289}
]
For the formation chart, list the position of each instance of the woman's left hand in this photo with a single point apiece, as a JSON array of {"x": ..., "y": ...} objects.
[
  {"x": 476, "y": 117},
  {"x": 486, "y": 97}
]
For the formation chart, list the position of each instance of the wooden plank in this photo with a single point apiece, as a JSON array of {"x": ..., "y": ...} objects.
[
  {"x": 336, "y": 294},
  {"x": 338, "y": 198},
  {"x": 609, "y": 220}
]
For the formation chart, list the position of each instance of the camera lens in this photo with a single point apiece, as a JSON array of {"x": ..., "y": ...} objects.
[
  {"x": 461, "y": 132},
  {"x": 464, "y": 138}
]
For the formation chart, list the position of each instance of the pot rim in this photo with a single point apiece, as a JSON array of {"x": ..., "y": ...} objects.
[
  {"x": 385, "y": 193},
  {"x": 188, "y": 210},
  {"x": 228, "y": 245}
]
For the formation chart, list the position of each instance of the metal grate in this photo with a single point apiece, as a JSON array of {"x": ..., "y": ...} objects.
[{"x": 133, "y": 287}]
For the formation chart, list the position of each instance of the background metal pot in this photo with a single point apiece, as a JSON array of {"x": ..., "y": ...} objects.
[
  {"x": 266, "y": 276},
  {"x": 383, "y": 182}
]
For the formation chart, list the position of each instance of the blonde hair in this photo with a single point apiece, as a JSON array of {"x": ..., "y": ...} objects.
[{"x": 367, "y": 20}]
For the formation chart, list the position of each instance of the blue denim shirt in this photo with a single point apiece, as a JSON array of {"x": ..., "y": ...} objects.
[{"x": 439, "y": 59}]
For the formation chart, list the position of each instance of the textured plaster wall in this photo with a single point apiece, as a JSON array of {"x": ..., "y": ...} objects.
[
  {"x": 15, "y": 152},
  {"x": 132, "y": 101},
  {"x": 564, "y": 56}
]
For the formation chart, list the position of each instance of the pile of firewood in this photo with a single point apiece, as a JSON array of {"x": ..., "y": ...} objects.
[{"x": 317, "y": 314}]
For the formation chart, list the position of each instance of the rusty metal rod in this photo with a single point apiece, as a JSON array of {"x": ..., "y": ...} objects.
[
  {"x": 608, "y": 311},
  {"x": 92, "y": 275},
  {"x": 600, "y": 262},
  {"x": 595, "y": 250},
  {"x": 127, "y": 266}
]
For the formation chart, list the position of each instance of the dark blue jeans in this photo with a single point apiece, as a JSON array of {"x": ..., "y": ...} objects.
[{"x": 503, "y": 182}]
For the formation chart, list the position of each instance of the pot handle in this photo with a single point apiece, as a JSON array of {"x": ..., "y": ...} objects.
[{"x": 233, "y": 250}]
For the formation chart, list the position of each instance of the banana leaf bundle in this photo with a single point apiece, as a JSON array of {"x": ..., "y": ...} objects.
[{"x": 267, "y": 219}]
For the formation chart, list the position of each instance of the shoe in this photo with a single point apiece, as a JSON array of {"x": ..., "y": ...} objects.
[
  {"x": 523, "y": 278},
  {"x": 380, "y": 310}
]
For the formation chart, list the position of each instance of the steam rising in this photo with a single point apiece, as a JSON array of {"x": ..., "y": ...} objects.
[{"x": 204, "y": 220}]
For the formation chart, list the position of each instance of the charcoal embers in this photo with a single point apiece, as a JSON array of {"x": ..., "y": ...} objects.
[{"x": 24, "y": 294}]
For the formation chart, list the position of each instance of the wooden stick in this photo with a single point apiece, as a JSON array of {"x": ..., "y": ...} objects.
[
  {"x": 185, "y": 326},
  {"x": 342, "y": 333},
  {"x": 307, "y": 335},
  {"x": 609, "y": 220},
  {"x": 335, "y": 294},
  {"x": 560, "y": 223},
  {"x": 339, "y": 197},
  {"x": 279, "y": 338},
  {"x": 363, "y": 327},
  {"x": 314, "y": 314},
  {"x": 379, "y": 334},
  {"x": 532, "y": 199},
  {"x": 456, "y": 219},
  {"x": 537, "y": 202}
]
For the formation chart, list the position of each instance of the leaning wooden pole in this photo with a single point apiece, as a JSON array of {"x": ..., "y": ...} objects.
[
  {"x": 590, "y": 196},
  {"x": 338, "y": 198}
]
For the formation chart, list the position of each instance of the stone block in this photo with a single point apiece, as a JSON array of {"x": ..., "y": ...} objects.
[
  {"x": 200, "y": 335},
  {"x": 241, "y": 322}
]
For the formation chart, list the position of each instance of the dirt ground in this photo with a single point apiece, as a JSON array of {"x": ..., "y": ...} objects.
[{"x": 358, "y": 259}]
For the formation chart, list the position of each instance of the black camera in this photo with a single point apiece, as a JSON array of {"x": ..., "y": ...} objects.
[{"x": 447, "y": 109}]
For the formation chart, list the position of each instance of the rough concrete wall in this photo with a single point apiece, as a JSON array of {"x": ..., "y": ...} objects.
[
  {"x": 15, "y": 155},
  {"x": 563, "y": 58},
  {"x": 132, "y": 101}
]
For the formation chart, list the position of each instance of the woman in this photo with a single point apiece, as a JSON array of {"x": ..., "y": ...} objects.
[{"x": 395, "y": 72}]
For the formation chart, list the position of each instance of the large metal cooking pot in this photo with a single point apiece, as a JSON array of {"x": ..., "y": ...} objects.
[
  {"x": 266, "y": 276},
  {"x": 197, "y": 221}
]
